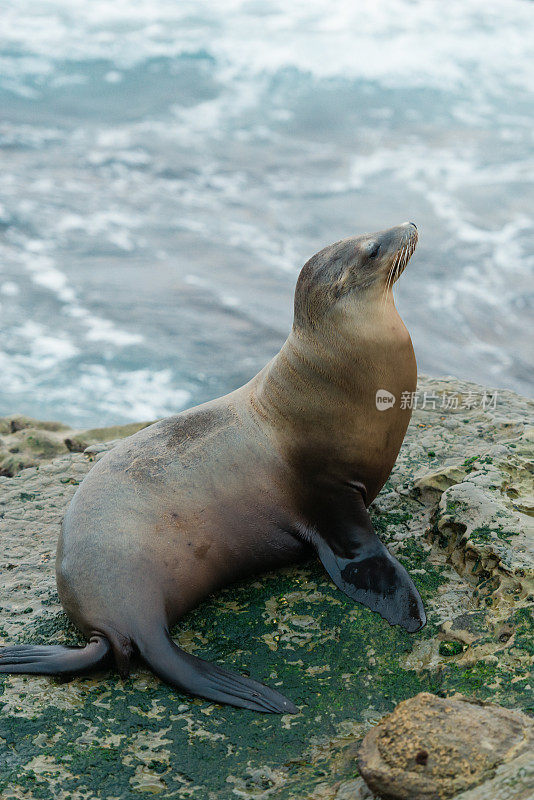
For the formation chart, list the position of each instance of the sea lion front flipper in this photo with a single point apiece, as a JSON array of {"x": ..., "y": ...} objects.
[{"x": 357, "y": 561}]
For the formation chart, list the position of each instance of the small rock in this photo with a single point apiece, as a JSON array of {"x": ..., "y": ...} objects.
[
  {"x": 431, "y": 485},
  {"x": 431, "y": 748},
  {"x": 353, "y": 790},
  {"x": 101, "y": 447}
]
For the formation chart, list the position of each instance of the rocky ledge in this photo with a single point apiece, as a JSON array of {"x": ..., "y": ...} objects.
[{"x": 457, "y": 511}]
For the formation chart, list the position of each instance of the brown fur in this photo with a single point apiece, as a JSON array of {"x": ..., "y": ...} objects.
[{"x": 221, "y": 491}]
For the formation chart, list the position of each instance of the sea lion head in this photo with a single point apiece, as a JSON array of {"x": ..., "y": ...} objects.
[{"x": 352, "y": 273}]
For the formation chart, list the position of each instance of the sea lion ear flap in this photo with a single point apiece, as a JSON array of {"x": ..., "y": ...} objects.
[{"x": 363, "y": 568}]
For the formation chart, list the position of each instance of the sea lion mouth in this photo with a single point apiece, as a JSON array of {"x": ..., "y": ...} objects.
[{"x": 405, "y": 250}]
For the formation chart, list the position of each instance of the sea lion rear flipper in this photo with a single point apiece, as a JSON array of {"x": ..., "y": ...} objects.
[
  {"x": 357, "y": 561},
  {"x": 203, "y": 679},
  {"x": 54, "y": 659}
]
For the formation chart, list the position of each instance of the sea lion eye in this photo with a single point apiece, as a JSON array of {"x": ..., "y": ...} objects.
[{"x": 372, "y": 249}]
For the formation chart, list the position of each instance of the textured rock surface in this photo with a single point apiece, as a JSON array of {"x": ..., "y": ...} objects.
[
  {"x": 431, "y": 748},
  {"x": 512, "y": 781},
  {"x": 484, "y": 519},
  {"x": 26, "y": 442},
  {"x": 345, "y": 667}
]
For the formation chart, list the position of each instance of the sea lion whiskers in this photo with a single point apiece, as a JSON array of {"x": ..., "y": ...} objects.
[
  {"x": 407, "y": 251},
  {"x": 390, "y": 279},
  {"x": 401, "y": 259}
]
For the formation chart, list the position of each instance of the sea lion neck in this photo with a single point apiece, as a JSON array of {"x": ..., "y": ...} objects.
[
  {"x": 311, "y": 372},
  {"x": 320, "y": 391}
]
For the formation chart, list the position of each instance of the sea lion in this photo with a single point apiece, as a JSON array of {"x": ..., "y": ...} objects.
[{"x": 248, "y": 482}]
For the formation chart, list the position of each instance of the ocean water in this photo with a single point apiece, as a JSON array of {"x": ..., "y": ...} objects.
[{"x": 167, "y": 167}]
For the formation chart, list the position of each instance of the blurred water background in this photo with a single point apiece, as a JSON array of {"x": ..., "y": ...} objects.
[{"x": 167, "y": 167}]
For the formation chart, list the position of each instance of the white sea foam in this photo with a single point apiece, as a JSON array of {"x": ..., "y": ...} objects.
[
  {"x": 98, "y": 223},
  {"x": 443, "y": 177},
  {"x": 123, "y": 396},
  {"x": 387, "y": 41},
  {"x": 43, "y": 351},
  {"x": 9, "y": 289},
  {"x": 52, "y": 279},
  {"x": 260, "y": 165},
  {"x": 103, "y": 330},
  {"x": 45, "y": 274},
  {"x": 138, "y": 394}
]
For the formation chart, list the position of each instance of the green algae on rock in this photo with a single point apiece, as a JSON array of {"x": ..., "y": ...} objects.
[{"x": 98, "y": 736}]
